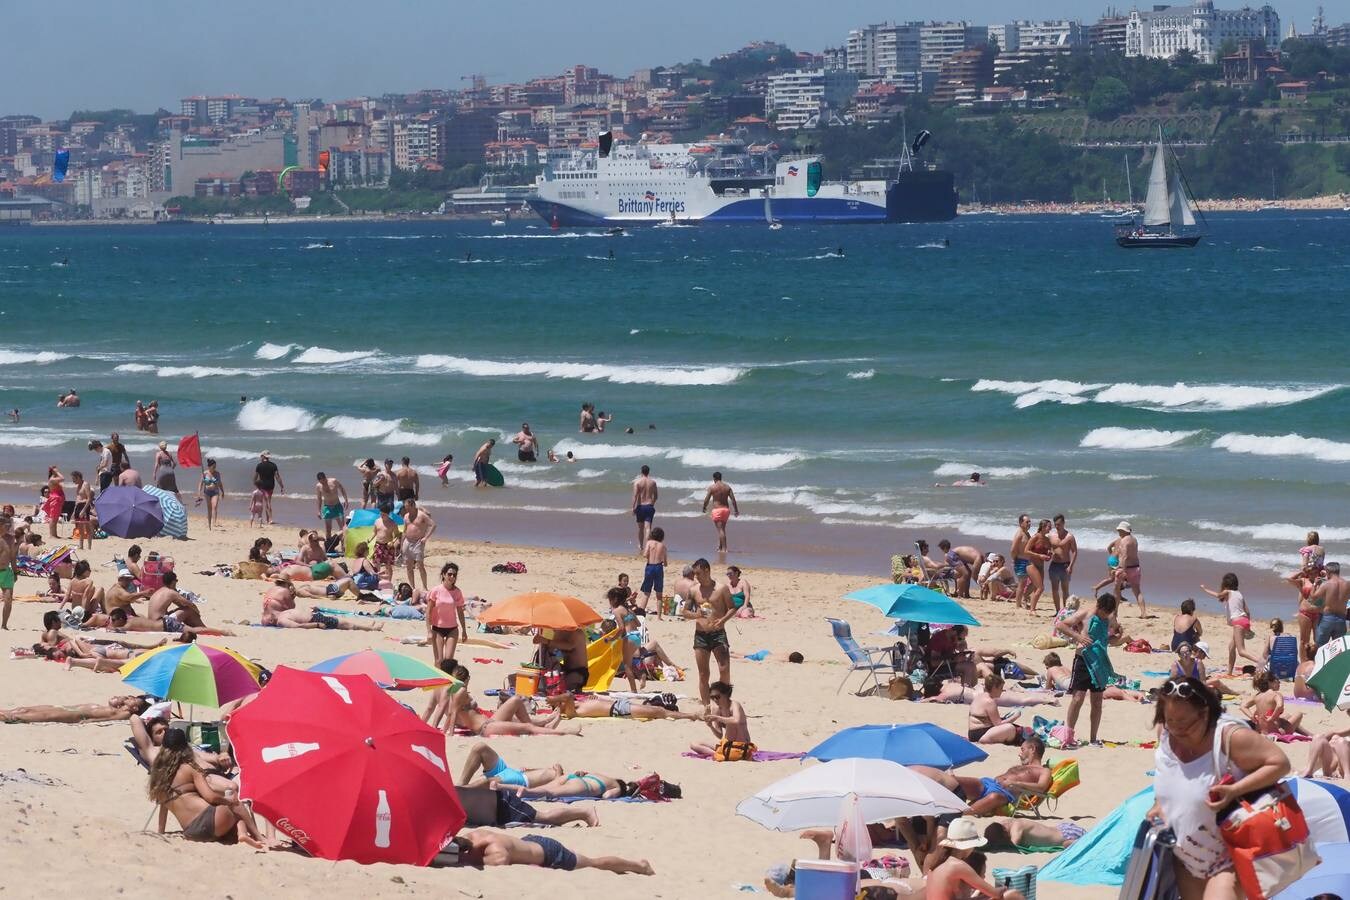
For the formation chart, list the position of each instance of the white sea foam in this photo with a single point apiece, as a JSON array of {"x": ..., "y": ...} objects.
[
  {"x": 666, "y": 375},
  {"x": 273, "y": 351},
  {"x": 591, "y": 473},
  {"x": 1278, "y": 531},
  {"x": 21, "y": 357},
  {"x": 1319, "y": 449},
  {"x": 29, "y": 440},
  {"x": 134, "y": 367},
  {"x": 188, "y": 371},
  {"x": 863, "y": 375},
  {"x": 322, "y": 355},
  {"x": 401, "y": 438},
  {"x": 360, "y": 429},
  {"x": 1056, "y": 386},
  {"x": 696, "y": 457},
  {"x": 1208, "y": 397},
  {"x": 961, "y": 469},
  {"x": 264, "y": 415},
  {"x": 1113, "y": 438},
  {"x": 1118, "y": 476}
]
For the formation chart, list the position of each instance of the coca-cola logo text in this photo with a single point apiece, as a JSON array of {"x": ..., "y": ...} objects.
[{"x": 299, "y": 835}]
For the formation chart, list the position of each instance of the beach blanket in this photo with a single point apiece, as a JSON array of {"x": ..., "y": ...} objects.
[
  {"x": 1290, "y": 738},
  {"x": 1156, "y": 674},
  {"x": 38, "y": 598},
  {"x": 586, "y": 799},
  {"x": 760, "y": 755}
]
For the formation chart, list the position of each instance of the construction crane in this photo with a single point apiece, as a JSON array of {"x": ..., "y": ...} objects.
[{"x": 479, "y": 80}]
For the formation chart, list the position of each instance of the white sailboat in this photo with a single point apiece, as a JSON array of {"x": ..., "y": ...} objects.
[{"x": 1168, "y": 209}]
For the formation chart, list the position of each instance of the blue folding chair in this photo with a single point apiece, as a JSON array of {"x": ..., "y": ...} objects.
[
  {"x": 1283, "y": 662},
  {"x": 870, "y": 660}
]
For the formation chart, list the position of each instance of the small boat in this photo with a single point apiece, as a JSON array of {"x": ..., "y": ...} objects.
[
  {"x": 616, "y": 231},
  {"x": 498, "y": 223},
  {"x": 775, "y": 226},
  {"x": 1169, "y": 209}
]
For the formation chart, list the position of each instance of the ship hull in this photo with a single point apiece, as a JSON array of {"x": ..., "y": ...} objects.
[{"x": 1157, "y": 242}]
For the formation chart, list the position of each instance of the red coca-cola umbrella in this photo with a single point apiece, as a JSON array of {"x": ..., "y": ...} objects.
[{"x": 345, "y": 771}]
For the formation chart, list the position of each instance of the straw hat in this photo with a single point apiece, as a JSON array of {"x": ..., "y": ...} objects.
[{"x": 964, "y": 834}]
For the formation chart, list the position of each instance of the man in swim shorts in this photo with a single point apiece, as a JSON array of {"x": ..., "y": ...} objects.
[
  {"x": 1021, "y": 563},
  {"x": 987, "y": 795},
  {"x": 711, "y": 610},
  {"x": 408, "y": 481},
  {"x": 644, "y": 504},
  {"x": 7, "y": 552},
  {"x": 417, "y": 529},
  {"x": 385, "y": 485},
  {"x": 527, "y": 445},
  {"x": 1063, "y": 558},
  {"x": 330, "y": 498},
  {"x": 481, "y": 460},
  {"x": 479, "y": 848},
  {"x": 723, "y": 500},
  {"x": 1127, "y": 549},
  {"x": 267, "y": 478}
]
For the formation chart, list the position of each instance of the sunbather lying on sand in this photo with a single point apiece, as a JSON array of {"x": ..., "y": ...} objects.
[
  {"x": 593, "y": 784},
  {"x": 117, "y": 709},
  {"x": 496, "y": 772},
  {"x": 480, "y": 848},
  {"x": 621, "y": 708},
  {"x": 953, "y": 691}
]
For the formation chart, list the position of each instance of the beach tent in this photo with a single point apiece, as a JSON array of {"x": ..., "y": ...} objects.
[
  {"x": 361, "y": 527},
  {"x": 1103, "y": 854},
  {"x": 175, "y": 516}
]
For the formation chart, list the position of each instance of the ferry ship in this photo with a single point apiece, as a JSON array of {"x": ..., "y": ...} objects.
[{"x": 724, "y": 182}]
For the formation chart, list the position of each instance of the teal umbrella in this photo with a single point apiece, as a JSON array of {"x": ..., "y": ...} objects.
[{"x": 914, "y": 603}]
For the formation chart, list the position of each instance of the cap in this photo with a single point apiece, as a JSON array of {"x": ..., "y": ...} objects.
[
  {"x": 1124, "y": 526},
  {"x": 1201, "y": 647},
  {"x": 964, "y": 834}
]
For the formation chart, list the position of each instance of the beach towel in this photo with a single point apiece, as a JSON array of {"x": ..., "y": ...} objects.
[
  {"x": 1290, "y": 738},
  {"x": 760, "y": 755},
  {"x": 509, "y": 568}
]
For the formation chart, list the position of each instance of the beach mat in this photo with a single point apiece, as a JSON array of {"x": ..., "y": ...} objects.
[{"x": 760, "y": 756}]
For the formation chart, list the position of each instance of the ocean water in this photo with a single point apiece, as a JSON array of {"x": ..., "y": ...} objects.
[{"x": 1201, "y": 394}]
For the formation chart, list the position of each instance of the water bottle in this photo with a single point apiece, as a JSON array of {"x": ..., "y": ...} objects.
[{"x": 383, "y": 820}]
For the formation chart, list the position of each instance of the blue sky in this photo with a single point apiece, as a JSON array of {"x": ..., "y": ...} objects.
[{"x": 87, "y": 54}]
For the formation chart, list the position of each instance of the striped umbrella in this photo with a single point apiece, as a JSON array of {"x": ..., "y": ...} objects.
[
  {"x": 175, "y": 516},
  {"x": 392, "y": 671},
  {"x": 193, "y": 673}
]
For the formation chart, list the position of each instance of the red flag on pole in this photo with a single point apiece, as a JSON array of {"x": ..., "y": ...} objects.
[{"x": 190, "y": 451}]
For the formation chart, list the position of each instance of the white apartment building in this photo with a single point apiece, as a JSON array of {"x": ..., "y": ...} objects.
[
  {"x": 881, "y": 51},
  {"x": 1023, "y": 35},
  {"x": 939, "y": 41},
  {"x": 414, "y": 139},
  {"x": 796, "y": 97},
  {"x": 1164, "y": 31}
]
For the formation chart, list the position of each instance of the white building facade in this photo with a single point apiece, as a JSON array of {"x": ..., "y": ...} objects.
[
  {"x": 939, "y": 41},
  {"x": 1164, "y": 31},
  {"x": 884, "y": 51},
  {"x": 794, "y": 98}
]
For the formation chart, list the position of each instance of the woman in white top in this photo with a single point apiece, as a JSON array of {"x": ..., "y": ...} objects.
[
  {"x": 1196, "y": 748},
  {"x": 1238, "y": 618}
]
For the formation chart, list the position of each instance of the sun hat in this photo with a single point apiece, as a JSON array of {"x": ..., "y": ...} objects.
[
  {"x": 1201, "y": 647},
  {"x": 964, "y": 834},
  {"x": 1124, "y": 526}
]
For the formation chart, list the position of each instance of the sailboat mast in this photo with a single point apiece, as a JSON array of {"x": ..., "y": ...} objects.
[{"x": 1129, "y": 187}]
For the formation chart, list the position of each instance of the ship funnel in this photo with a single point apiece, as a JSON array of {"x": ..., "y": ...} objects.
[{"x": 606, "y": 142}]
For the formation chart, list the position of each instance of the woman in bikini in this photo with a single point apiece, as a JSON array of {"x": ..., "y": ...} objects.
[
  {"x": 82, "y": 591},
  {"x": 496, "y": 773},
  {"x": 211, "y": 489},
  {"x": 1039, "y": 551},
  {"x": 511, "y": 719},
  {"x": 117, "y": 709},
  {"x": 163, "y": 474},
  {"x": 205, "y": 814},
  {"x": 593, "y": 784}
]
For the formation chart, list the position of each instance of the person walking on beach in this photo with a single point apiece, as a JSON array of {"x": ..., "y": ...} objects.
[
  {"x": 1332, "y": 594},
  {"x": 1239, "y": 620},
  {"x": 1126, "y": 547},
  {"x": 330, "y": 501},
  {"x": 1063, "y": 557},
  {"x": 417, "y": 528},
  {"x": 55, "y": 503},
  {"x": 368, "y": 470},
  {"x": 119, "y": 462},
  {"x": 1090, "y": 629},
  {"x": 267, "y": 478},
  {"x": 723, "y": 500},
  {"x": 711, "y": 611},
  {"x": 644, "y": 504},
  {"x": 408, "y": 481},
  {"x": 1021, "y": 564},
  {"x": 103, "y": 469},
  {"x": 7, "y": 575},
  {"x": 527, "y": 445},
  {"x": 211, "y": 489},
  {"x": 445, "y": 614},
  {"x": 654, "y": 574},
  {"x": 481, "y": 460}
]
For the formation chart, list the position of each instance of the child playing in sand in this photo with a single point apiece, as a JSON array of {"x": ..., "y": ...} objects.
[
  {"x": 728, "y": 724},
  {"x": 444, "y": 468},
  {"x": 1238, "y": 618},
  {"x": 255, "y": 507},
  {"x": 654, "y": 575}
]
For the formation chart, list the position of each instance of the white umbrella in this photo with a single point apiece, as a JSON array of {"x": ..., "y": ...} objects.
[{"x": 814, "y": 797}]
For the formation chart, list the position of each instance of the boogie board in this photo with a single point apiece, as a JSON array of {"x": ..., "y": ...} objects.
[{"x": 492, "y": 476}]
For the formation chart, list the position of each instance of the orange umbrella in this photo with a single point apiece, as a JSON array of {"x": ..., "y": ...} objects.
[{"x": 540, "y": 610}]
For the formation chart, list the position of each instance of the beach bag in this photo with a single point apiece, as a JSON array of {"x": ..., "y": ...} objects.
[
  {"x": 1138, "y": 645},
  {"x": 733, "y": 751},
  {"x": 1266, "y": 834},
  {"x": 900, "y": 688},
  {"x": 1023, "y": 879}
]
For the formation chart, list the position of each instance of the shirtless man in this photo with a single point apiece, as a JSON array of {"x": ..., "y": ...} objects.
[
  {"x": 481, "y": 460},
  {"x": 172, "y": 609},
  {"x": 1331, "y": 593},
  {"x": 383, "y": 485},
  {"x": 480, "y": 848},
  {"x": 644, "y": 505},
  {"x": 1021, "y": 562},
  {"x": 957, "y": 557},
  {"x": 527, "y": 445},
  {"x": 7, "y": 575},
  {"x": 386, "y": 536},
  {"x": 330, "y": 500},
  {"x": 985, "y": 795},
  {"x": 622, "y": 708},
  {"x": 124, "y": 619},
  {"x": 117, "y": 709},
  {"x": 1004, "y": 833},
  {"x": 1127, "y": 549},
  {"x": 408, "y": 481},
  {"x": 279, "y": 610},
  {"x": 120, "y": 595},
  {"x": 418, "y": 526},
  {"x": 727, "y": 721},
  {"x": 712, "y": 610},
  {"x": 723, "y": 500},
  {"x": 572, "y": 645},
  {"x": 1063, "y": 557}
]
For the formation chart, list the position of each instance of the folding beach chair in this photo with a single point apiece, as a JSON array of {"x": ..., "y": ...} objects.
[
  {"x": 870, "y": 660},
  {"x": 1150, "y": 875},
  {"x": 1063, "y": 778},
  {"x": 1283, "y": 662}
]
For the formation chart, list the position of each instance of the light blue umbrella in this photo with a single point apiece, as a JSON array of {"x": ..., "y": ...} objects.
[
  {"x": 175, "y": 516},
  {"x": 919, "y": 744},
  {"x": 914, "y": 603},
  {"x": 1331, "y": 876}
]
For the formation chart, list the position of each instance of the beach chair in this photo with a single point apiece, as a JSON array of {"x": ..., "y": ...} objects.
[
  {"x": 1283, "y": 662},
  {"x": 872, "y": 661},
  {"x": 1063, "y": 778},
  {"x": 47, "y": 564},
  {"x": 1150, "y": 875}
]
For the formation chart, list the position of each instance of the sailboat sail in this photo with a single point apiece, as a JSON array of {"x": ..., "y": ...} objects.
[
  {"x": 1156, "y": 207},
  {"x": 768, "y": 209},
  {"x": 1180, "y": 208}
]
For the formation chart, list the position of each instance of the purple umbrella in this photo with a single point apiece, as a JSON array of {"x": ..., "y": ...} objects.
[{"x": 129, "y": 512}]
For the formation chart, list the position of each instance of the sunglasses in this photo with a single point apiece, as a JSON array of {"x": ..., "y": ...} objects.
[{"x": 1183, "y": 689}]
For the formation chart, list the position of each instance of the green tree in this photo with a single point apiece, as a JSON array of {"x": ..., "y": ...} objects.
[{"x": 1109, "y": 98}]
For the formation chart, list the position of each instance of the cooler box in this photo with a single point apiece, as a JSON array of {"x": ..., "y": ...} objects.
[
  {"x": 527, "y": 682},
  {"x": 826, "y": 879}
]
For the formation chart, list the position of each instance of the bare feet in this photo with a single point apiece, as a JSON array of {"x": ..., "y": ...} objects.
[{"x": 592, "y": 817}]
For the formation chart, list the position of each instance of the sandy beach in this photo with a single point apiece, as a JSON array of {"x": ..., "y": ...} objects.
[{"x": 697, "y": 845}]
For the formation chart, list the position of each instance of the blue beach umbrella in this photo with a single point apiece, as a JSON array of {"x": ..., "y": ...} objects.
[
  {"x": 1331, "y": 876},
  {"x": 914, "y": 603},
  {"x": 175, "y": 516},
  {"x": 918, "y": 744},
  {"x": 129, "y": 512}
]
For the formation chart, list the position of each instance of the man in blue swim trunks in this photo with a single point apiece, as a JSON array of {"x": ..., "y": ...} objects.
[
  {"x": 479, "y": 848},
  {"x": 330, "y": 498},
  {"x": 644, "y": 504},
  {"x": 1020, "y": 562},
  {"x": 988, "y": 795}
]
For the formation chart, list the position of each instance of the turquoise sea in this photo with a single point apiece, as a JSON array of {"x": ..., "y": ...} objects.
[{"x": 1201, "y": 394}]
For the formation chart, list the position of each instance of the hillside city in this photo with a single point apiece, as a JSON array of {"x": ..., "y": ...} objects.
[{"x": 1020, "y": 111}]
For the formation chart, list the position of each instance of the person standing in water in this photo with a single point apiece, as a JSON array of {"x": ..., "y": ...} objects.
[
  {"x": 645, "y": 493},
  {"x": 723, "y": 500}
]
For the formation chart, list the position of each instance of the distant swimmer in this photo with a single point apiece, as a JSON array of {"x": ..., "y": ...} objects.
[
  {"x": 242, "y": 399},
  {"x": 975, "y": 480},
  {"x": 328, "y": 244},
  {"x": 611, "y": 253},
  {"x": 69, "y": 399},
  {"x": 839, "y": 253},
  {"x": 468, "y": 256},
  {"x": 946, "y": 242},
  {"x": 13, "y": 415}
]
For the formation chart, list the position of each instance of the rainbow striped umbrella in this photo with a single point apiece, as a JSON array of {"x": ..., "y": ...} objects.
[
  {"x": 193, "y": 673},
  {"x": 391, "y": 671}
]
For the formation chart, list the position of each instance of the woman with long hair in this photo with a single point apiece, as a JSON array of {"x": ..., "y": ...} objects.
[{"x": 180, "y": 787}]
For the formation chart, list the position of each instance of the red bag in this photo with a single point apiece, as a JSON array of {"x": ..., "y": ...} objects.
[
  {"x": 1138, "y": 645},
  {"x": 1267, "y": 836}
]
